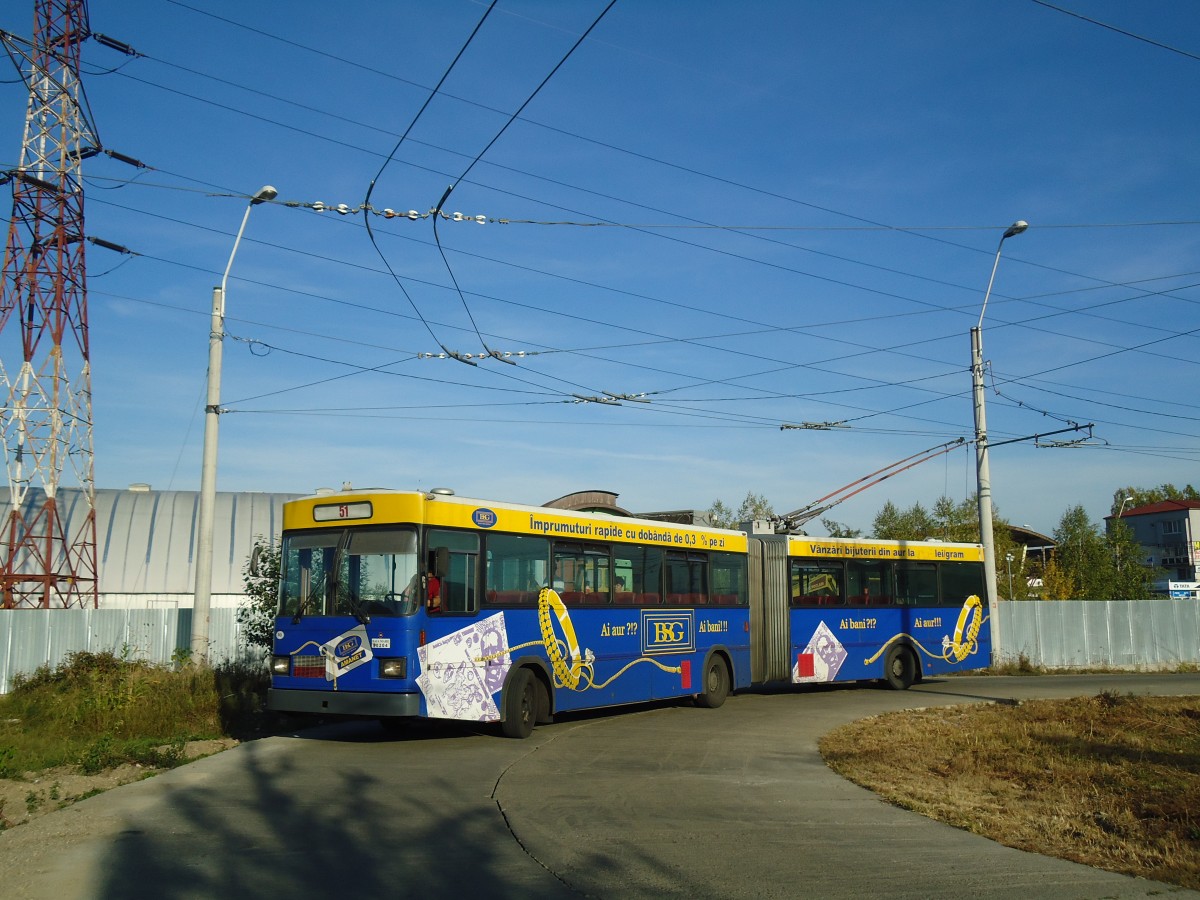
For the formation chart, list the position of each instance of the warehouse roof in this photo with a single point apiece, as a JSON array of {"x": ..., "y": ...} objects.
[{"x": 146, "y": 539}]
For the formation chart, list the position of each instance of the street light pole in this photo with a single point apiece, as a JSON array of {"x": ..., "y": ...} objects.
[
  {"x": 983, "y": 473},
  {"x": 1120, "y": 516},
  {"x": 201, "y": 609}
]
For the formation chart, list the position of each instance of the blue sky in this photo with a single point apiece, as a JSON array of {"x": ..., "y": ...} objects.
[{"x": 809, "y": 195}]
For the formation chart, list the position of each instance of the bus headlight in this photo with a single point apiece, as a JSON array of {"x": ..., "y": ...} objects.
[
  {"x": 394, "y": 667},
  {"x": 281, "y": 665}
]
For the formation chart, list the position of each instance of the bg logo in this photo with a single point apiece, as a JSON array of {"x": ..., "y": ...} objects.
[
  {"x": 484, "y": 518},
  {"x": 667, "y": 632}
]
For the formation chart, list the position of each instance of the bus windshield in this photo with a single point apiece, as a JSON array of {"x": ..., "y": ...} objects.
[{"x": 336, "y": 572}]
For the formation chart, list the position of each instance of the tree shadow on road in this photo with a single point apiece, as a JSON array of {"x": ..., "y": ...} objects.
[{"x": 262, "y": 827}]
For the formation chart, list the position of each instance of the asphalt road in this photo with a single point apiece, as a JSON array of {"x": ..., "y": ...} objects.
[{"x": 665, "y": 800}]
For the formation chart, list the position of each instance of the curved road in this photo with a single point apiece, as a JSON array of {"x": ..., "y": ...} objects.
[{"x": 667, "y": 800}]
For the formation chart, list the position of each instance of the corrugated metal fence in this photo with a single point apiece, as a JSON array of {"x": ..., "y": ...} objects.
[
  {"x": 1072, "y": 634},
  {"x": 1062, "y": 634},
  {"x": 32, "y": 637}
]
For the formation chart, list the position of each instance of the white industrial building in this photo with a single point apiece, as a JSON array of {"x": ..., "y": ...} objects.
[{"x": 146, "y": 541}]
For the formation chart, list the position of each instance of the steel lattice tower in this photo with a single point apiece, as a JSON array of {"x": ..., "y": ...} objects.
[{"x": 47, "y": 415}]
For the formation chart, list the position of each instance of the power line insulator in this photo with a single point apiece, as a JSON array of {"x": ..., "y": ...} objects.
[{"x": 113, "y": 44}]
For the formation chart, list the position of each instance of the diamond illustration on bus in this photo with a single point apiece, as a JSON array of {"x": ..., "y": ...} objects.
[{"x": 821, "y": 658}]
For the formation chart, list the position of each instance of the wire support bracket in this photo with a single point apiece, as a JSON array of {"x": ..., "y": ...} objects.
[
  {"x": 814, "y": 426},
  {"x": 508, "y": 356},
  {"x": 606, "y": 401},
  {"x": 1036, "y": 437}
]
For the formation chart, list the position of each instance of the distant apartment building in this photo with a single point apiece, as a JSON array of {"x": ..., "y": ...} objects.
[{"x": 1169, "y": 533}]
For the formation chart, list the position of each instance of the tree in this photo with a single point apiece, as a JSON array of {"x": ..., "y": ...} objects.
[
  {"x": 256, "y": 614},
  {"x": 1146, "y": 496},
  {"x": 1056, "y": 583},
  {"x": 1091, "y": 565},
  {"x": 1132, "y": 580},
  {"x": 755, "y": 506},
  {"x": 1081, "y": 555},
  {"x": 958, "y": 523},
  {"x": 949, "y": 521},
  {"x": 838, "y": 529},
  {"x": 894, "y": 524}
]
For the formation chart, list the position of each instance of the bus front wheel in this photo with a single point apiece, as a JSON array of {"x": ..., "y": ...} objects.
[
  {"x": 716, "y": 683},
  {"x": 520, "y": 705},
  {"x": 900, "y": 669}
]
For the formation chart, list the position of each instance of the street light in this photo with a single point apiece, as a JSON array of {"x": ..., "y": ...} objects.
[
  {"x": 208, "y": 472},
  {"x": 1120, "y": 515},
  {"x": 982, "y": 470},
  {"x": 1008, "y": 558}
]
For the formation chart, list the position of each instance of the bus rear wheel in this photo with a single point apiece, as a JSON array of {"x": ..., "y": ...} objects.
[
  {"x": 520, "y": 705},
  {"x": 900, "y": 669},
  {"x": 716, "y": 683}
]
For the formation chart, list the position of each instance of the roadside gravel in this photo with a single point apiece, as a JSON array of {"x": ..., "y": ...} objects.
[{"x": 38, "y": 793}]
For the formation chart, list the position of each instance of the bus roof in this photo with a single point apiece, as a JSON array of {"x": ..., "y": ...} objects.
[{"x": 379, "y": 507}]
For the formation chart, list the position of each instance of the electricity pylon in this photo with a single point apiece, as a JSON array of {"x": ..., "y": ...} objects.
[{"x": 46, "y": 420}]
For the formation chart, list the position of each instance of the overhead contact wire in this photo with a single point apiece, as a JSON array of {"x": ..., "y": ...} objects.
[
  {"x": 438, "y": 209},
  {"x": 391, "y": 156}
]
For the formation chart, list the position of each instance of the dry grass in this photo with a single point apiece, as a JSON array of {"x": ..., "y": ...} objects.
[{"x": 1108, "y": 781}]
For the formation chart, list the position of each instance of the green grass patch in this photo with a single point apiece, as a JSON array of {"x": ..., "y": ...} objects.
[{"x": 98, "y": 711}]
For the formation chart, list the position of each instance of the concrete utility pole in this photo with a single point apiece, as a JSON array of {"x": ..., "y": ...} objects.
[
  {"x": 982, "y": 470},
  {"x": 201, "y": 609}
]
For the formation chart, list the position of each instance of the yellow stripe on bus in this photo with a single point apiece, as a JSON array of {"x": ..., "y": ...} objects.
[
  {"x": 458, "y": 512},
  {"x": 932, "y": 551}
]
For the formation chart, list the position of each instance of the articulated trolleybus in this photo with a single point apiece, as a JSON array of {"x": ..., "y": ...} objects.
[{"x": 396, "y": 605}]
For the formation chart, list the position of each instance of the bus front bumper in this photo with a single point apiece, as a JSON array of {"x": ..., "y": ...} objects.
[{"x": 344, "y": 703}]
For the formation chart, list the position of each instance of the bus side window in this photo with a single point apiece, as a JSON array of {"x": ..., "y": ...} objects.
[
  {"x": 582, "y": 573},
  {"x": 729, "y": 579},
  {"x": 641, "y": 569},
  {"x": 916, "y": 584},
  {"x": 816, "y": 583},
  {"x": 517, "y": 568},
  {"x": 960, "y": 580},
  {"x": 687, "y": 579},
  {"x": 869, "y": 583},
  {"x": 458, "y": 553},
  {"x": 598, "y": 584},
  {"x": 623, "y": 580}
]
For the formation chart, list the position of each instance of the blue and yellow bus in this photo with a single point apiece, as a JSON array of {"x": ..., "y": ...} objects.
[
  {"x": 538, "y": 610},
  {"x": 406, "y": 604},
  {"x": 853, "y": 609}
]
